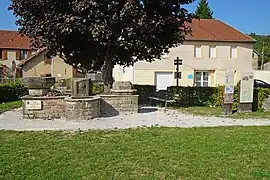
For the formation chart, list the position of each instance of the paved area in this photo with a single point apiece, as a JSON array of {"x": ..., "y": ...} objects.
[{"x": 147, "y": 117}]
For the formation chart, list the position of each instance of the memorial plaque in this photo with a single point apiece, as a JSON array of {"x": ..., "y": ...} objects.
[
  {"x": 246, "y": 87},
  {"x": 33, "y": 104}
]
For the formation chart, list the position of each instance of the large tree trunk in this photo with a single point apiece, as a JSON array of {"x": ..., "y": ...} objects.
[{"x": 107, "y": 75}]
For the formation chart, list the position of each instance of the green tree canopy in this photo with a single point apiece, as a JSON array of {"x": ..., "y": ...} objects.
[
  {"x": 258, "y": 46},
  {"x": 203, "y": 10},
  {"x": 97, "y": 34}
]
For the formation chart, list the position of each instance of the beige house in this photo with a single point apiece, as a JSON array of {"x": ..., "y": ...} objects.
[
  {"x": 213, "y": 47},
  {"x": 40, "y": 65},
  {"x": 13, "y": 48}
]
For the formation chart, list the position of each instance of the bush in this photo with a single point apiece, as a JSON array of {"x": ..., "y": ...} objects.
[
  {"x": 12, "y": 91},
  {"x": 213, "y": 96},
  {"x": 260, "y": 95},
  {"x": 198, "y": 96},
  {"x": 144, "y": 92},
  {"x": 98, "y": 89}
]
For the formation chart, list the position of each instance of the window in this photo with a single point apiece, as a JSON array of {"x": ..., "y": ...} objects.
[
  {"x": 197, "y": 51},
  {"x": 23, "y": 54},
  {"x": 202, "y": 78},
  {"x": 233, "y": 52},
  {"x": 212, "y": 52}
]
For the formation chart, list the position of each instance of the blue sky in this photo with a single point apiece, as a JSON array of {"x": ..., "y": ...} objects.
[{"x": 245, "y": 15}]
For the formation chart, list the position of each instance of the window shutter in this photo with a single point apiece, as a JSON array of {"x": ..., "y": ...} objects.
[
  {"x": 4, "y": 54},
  {"x": 18, "y": 54}
]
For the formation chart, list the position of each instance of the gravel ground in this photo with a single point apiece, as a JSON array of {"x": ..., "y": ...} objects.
[{"x": 13, "y": 120}]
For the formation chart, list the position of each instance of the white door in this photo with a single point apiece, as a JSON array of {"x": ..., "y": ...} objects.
[
  {"x": 11, "y": 55},
  {"x": 164, "y": 80}
]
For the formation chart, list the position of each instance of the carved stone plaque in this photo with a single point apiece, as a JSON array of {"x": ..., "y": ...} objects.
[
  {"x": 246, "y": 91},
  {"x": 33, "y": 104}
]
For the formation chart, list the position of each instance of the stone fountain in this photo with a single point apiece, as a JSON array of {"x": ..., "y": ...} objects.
[{"x": 81, "y": 105}]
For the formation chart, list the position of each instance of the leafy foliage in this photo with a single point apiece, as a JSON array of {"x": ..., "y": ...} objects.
[
  {"x": 11, "y": 91},
  {"x": 144, "y": 92},
  {"x": 213, "y": 96},
  {"x": 98, "y": 89},
  {"x": 97, "y": 34},
  {"x": 203, "y": 10},
  {"x": 258, "y": 46}
]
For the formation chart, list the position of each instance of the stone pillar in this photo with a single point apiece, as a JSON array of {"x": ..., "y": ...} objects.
[
  {"x": 81, "y": 87},
  {"x": 228, "y": 92},
  {"x": 246, "y": 88}
]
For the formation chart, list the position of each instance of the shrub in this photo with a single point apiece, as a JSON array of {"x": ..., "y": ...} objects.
[
  {"x": 12, "y": 91},
  {"x": 213, "y": 96},
  {"x": 197, "y": 96},
  {"x": 144, "y": 92},
  {"x": 259, "y": 96},
  {"x": 98, "y": 89}
]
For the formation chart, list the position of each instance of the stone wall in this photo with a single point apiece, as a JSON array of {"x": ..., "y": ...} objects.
[
  {"x": 112, "y": 105},
  {"x": 82, "y": 108},
  {"x": 78, "y": 108},
  {"x": 51, "y": 107}
]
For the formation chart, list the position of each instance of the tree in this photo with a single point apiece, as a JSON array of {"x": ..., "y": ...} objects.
[
  {"x": 97, "y": 34},
  {"x": 203, "y": 10},
  {"x": 262, "y": 47}
]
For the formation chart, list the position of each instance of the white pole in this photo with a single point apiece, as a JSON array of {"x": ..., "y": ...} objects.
[{"x": 52, "y": 67}]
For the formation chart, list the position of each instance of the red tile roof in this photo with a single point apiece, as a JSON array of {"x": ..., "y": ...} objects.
[
  {"x": 13, "y": 40},
  {"x": 204, "y": 30},
  {"x": 215, "y": 30}
]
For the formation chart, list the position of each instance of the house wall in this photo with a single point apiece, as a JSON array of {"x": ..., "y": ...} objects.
[
  {"x": 36, "y": 66},
  {"x": 144, "y": 72},
  {"x": 61, "y": 69}
]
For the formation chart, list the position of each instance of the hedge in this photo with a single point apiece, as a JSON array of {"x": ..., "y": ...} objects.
[
  {"x": 213, "y": 96},
  {"x": 144, "y": 92},
  {"x": 11, "y": 91}
]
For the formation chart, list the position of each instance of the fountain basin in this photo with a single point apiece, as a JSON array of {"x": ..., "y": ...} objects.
[{"x": 38, "y": 86}]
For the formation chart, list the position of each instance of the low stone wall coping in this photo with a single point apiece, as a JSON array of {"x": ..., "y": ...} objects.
[
  {"x": 117, "y": 95},
  {"x": 123, "y": 90},
  {"x": 77, "y": 99},
  {"x": 27, "y": 97}
]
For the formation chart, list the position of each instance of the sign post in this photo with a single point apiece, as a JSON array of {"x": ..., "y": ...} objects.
[
  {"x": 177, "y": 62},
  {"x": 228, "y": 92},
  {"x": 246, "y": 92}
]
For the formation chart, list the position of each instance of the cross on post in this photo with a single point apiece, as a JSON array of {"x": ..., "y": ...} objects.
[{"x": 178, "y": 62}]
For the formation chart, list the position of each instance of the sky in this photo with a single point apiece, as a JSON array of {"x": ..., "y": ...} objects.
[{"x": 248, "y": 16}]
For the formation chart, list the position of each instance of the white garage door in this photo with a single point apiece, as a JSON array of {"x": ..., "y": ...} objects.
[{"x": 164, "y": 80}]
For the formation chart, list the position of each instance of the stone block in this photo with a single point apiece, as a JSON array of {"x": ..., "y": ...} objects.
[
  {"x": 81, "y": 87},
  {"x": 122, "y": 85},
  {"x": 266, "y": 104}
]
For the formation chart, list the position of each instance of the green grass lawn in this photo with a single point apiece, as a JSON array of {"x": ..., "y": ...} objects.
[
  {"x": 9, "y": 106},
  {"x": 216, "y": 111},
  {"x": 153, "y": 153}
]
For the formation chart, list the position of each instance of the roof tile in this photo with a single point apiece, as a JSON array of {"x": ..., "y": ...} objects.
[
  {"x": 13, "y": 40},
  {"x": 215, "y": 30}
]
